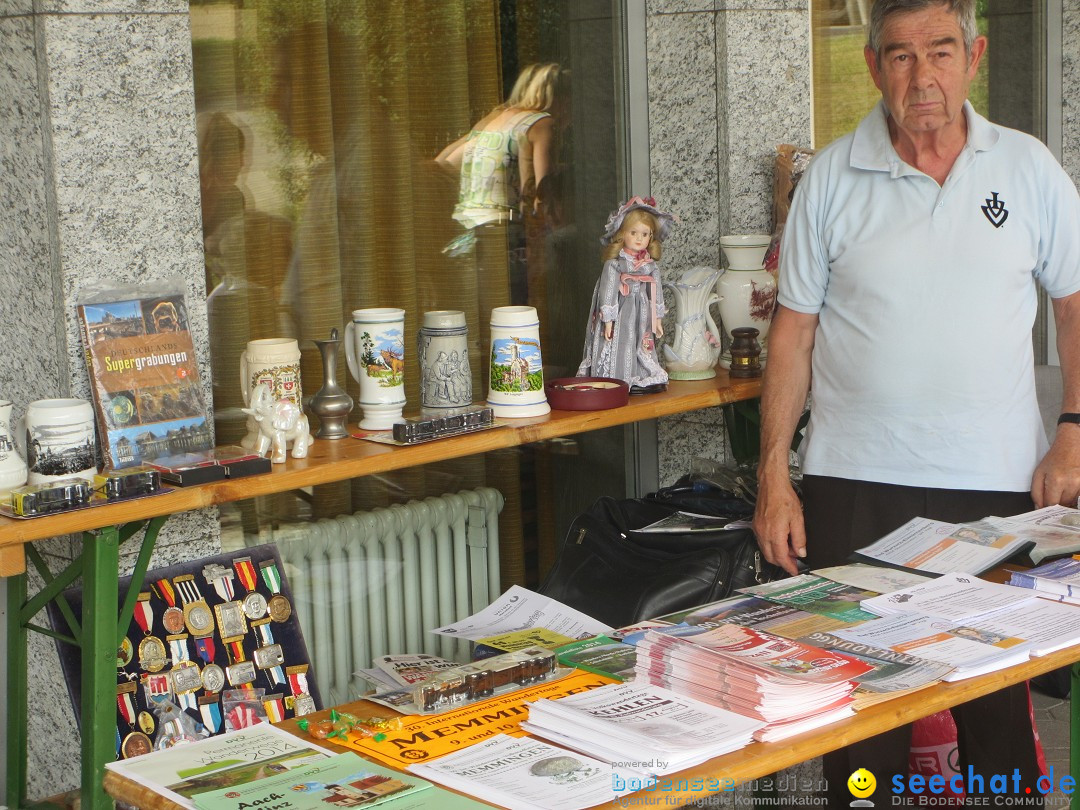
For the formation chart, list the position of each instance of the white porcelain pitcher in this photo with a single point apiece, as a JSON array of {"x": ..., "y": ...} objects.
[{"x": 696, "y": 348}]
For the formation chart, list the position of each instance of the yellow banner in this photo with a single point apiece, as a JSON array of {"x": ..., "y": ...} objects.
[
  {"x": 426, "y": 737},
  {"x": 523, "y": 639}
]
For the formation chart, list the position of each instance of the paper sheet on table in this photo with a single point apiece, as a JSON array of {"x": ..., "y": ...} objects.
[{"x": 521, "y": 609}]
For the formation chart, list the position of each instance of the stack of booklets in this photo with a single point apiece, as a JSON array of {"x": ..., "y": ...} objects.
[
  {"x": 529, "y": 774},
  {"x": 659, "y": 730},
  {"x": 791, "y": 686},
  {"x": 1058, "y": 580},
  {"x": 971, "y": 625}
]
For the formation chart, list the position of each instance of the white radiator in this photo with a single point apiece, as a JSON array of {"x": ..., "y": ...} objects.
[{"x": 377, "y": 582}]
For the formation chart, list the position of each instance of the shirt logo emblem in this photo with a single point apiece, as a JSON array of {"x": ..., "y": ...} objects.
[{"x": 995, "y": 210}]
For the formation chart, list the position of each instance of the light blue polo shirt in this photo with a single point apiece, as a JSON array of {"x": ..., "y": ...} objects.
[{"x": 926, "y": 296}]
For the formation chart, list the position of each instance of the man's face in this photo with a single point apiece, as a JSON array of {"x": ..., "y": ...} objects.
[{"x": 924, "y": 73}]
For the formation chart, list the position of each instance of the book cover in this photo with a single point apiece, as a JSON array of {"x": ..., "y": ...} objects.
[
  {"x": 144, "y": 379},
  {"x": 226, "y": 761},
  {"x": 343, "y": 780}
]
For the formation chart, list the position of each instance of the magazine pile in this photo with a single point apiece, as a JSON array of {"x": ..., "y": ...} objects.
[
  {"x": 969, "y": 624},
  {"x": 1058, "y": 580},
  {"x": 653, "y": 729},
  {"x": 791, "y": 686}
]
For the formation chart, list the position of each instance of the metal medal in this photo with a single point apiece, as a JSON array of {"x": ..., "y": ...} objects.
[
  {"x": 255, "y": 606},
  {"x": 152, "y": 656},
  {"x": 231, "y": 620},
  {"x": 124, "y": 653},
  {"x": 269, "y": 656},
  {"x": 280, "y": 609},
  {"x": 136, "y": 744},
  {"x": 241, "y": 673},
  {"x": 198, "y": 618},
  {"x": 173, "y": 619},
  {"x": 146, "y": 722},
  {"x": 213, "y": 678},
  {"x": 303, "y": 704},
  {"x": 186, "y": 677}
]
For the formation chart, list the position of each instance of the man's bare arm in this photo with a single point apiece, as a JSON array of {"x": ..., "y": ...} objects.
[
  {"x": 1057, "y": 478},
  {"x": 778, "y": 520}
]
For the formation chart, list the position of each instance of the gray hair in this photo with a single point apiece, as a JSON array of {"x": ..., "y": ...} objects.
[{"x": 882, "y": 9}]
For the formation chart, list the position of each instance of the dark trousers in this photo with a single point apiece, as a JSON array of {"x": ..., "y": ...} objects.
[{"x": 994, "y": 733}]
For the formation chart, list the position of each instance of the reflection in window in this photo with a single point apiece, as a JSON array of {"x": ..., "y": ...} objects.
[
  {"x": 435, "y": 154},
  {"x": 1007, "y": 89}
]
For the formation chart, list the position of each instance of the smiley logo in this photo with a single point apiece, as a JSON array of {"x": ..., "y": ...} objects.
[{"x": 861, "y": 783}]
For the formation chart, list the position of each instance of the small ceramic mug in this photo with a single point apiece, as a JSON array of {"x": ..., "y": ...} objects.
[
  {"x": 60, "y": 440},
  {"x": 516, "y": 369},
  {"x": 274, "y": 362}
]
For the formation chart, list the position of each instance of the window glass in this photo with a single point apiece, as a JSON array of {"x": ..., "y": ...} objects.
[{"x": 421, "y": 154}]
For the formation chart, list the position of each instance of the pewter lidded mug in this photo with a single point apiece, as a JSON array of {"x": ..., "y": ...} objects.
[{"x": 443, "y": 352}]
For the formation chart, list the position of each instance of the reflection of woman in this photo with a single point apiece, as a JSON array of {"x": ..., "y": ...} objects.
[
  {"x": 627, "y": 305},
  {"x": 507, "y": 153},
  {"x": 499, "y": 165}
]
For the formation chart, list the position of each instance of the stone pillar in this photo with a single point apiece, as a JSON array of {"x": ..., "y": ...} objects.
[
  {"x": 99, "y": 185},
  {"x": 728, "y": 82}
]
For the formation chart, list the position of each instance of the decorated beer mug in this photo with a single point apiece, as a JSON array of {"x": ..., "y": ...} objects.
[{"x": 375, "y": 352}]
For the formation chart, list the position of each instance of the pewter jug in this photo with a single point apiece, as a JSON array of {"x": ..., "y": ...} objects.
[{"x": 330, "y": 403}]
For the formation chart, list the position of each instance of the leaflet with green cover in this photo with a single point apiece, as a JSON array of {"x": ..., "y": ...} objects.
[{"x": 343, "y": 780}]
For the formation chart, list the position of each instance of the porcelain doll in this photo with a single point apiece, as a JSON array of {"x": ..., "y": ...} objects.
[{"x": 628, "y": 303}]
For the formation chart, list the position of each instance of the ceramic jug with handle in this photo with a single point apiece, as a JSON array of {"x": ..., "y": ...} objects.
[{"x": 696, "y": 348}]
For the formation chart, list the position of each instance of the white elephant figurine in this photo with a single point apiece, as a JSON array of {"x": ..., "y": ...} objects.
[{"x": 280, "y": 422}]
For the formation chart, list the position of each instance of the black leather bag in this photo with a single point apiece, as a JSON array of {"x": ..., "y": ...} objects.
[{"x": 618, "y": 576}]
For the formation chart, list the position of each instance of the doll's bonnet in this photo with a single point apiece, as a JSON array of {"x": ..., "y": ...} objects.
[{"x": 615, "y": 221}]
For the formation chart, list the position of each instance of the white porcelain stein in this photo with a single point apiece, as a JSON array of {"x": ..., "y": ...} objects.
[
  {"x": 516, "y": 370},
  {"x": 375, "y": 352},
  {"x": 59, "y": 440}
]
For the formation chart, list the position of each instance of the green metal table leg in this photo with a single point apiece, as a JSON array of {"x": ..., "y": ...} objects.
[
  {"x": 1074, "y": 731},
  {"x": 16, "y": 685},
  {"x": 101, "y": 555}
]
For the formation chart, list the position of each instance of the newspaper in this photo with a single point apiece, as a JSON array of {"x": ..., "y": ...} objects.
[
  {"x": 953, "y": 597},
  {"x": 407, "y": 670},
  {"x": 529, "y": 774},
  {"x": 643, "y": 723},
  {"x": 934, "y": 547},
  {"x": 519, "y": 612},
  {"x": 870, "y": 577},
  {"x": 1054, "y": 532}
]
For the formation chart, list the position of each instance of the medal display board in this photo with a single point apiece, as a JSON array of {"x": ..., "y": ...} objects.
[{"x": 200, "y": 628}]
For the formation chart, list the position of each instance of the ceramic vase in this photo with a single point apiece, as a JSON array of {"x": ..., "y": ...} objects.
[
  {"x": 516, "y": 368},
  {"x": 274, "y": 362},
  {"x": 330, "y": 403},
  {"x": 443, "y": 351},
  {"x": 747, "y": 290},
  {"x": 693, "y": 354},
  {"x": 375, "y": 351},
  {"x": 13, "y": 470}
]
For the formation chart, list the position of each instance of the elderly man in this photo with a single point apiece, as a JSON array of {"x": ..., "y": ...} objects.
[{"x": 908, "y": 289}]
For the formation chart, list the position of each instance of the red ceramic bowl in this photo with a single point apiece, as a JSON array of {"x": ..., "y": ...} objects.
[{"x": 586, "y": 393}]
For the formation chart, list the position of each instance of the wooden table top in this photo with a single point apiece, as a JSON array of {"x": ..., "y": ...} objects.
[{"x": 755, "y": 760}]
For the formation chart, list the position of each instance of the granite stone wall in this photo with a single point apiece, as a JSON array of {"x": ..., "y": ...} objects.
[{"x": 98, "y": 185}]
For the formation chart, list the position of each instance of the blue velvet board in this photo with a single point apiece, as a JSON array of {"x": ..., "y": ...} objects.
[{"x": 288, "y": 633}]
